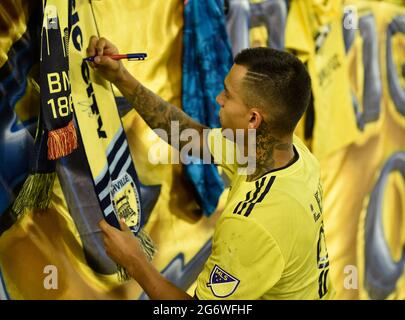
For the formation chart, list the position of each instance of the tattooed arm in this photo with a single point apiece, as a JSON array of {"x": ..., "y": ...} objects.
[{"x": 156, "y": 112}]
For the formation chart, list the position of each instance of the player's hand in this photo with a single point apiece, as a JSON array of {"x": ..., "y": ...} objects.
[
  {"x": 121, "y": 245},
  {"x": 111, "y": 70}
]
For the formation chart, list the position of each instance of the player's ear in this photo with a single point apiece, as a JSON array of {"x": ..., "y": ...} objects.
[{"x": 255, "y": 118}]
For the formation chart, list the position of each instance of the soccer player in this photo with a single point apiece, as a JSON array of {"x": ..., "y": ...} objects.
[{"x": 269, "y": 242}]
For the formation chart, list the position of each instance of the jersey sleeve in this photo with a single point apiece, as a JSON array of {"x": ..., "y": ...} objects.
[
  {"x": 223, "y": 151},
  {"x": 244, "y": 264}
]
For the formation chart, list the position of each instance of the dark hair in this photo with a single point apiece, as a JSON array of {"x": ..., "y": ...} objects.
[{"x": 278, "y": 82}]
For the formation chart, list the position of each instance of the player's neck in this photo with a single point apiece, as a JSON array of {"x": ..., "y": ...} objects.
[{"x": 272, "y": 152}]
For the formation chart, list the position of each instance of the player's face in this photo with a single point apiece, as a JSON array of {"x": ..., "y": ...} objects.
[{"x": 234, "y": 114}]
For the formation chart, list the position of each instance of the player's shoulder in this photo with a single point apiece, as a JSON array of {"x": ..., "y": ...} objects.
[
  {"x": 281, "y": 205},
  {"x": 304, "y": 151},
  {"x": 246, "y": 232},
  {"x": 270, "y": 193},
  {"x": 280, "y": 211},
  {"x": 267, "y": 204},
  {"x": 236, "y": 224}
]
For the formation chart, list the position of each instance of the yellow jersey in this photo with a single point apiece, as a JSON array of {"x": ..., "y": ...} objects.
[
  {"x": 314, "y": 34},
  {"x": 269, "y": 242}
]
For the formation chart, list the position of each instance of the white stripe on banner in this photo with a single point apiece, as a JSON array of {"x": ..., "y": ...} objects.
[
  {"x": 114, "y": 140},
  {"x": 118, "y": 156},
  {"x": 108, "y": 210},
  {"x": 101, "y": 175},
  {"x": 105, "y": 192},
  {"x": 125, "y": 166},
  {"x": 109, "y": 148}
]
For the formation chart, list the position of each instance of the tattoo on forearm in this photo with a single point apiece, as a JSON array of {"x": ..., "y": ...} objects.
[{"x": 158, "y": 113}]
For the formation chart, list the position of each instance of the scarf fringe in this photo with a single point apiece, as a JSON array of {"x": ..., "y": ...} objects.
[
  {"x": 147, "y": 244},
  {"x": 62, "y": 142},
  {"x": 149, "y": 249},
  {"x": 35, "y": 193},
  {"x": 122, "y": 274}
]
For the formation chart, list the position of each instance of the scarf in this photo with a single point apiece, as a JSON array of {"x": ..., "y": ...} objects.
[
  {"x": 112, "y": 170},
  {"x": 56, "y": 135}
]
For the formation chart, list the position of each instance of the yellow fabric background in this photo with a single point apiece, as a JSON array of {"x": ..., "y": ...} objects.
[
  {"x": 335, "y": 125},
  {"x": 175, "y": 225},
  {"x": 350, "y": 173}
]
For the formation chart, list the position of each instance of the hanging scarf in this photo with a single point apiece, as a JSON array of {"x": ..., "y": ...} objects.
[
  {"x": 115, "y": 180},
  {"x": 56, "y": 135}
]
